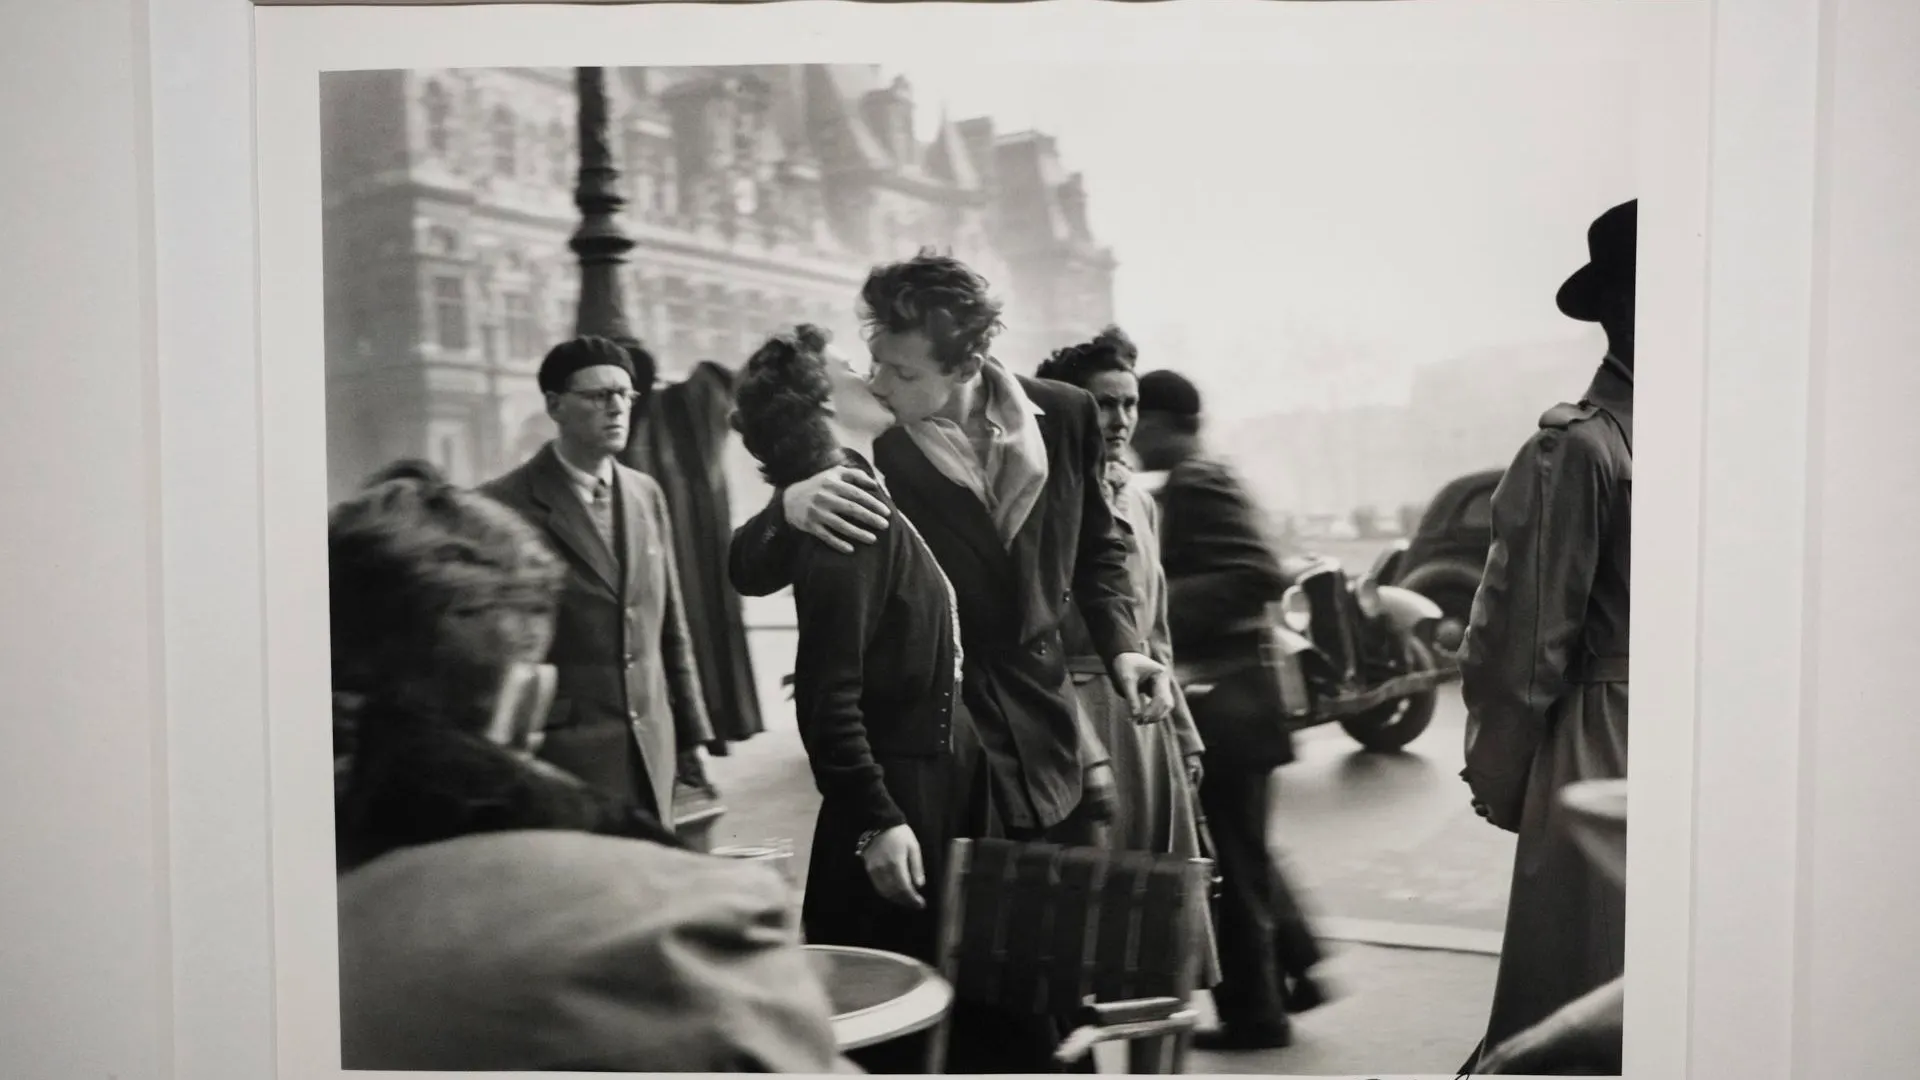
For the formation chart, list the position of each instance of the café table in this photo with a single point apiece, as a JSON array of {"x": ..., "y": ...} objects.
[{"x": 876, "y": 995}]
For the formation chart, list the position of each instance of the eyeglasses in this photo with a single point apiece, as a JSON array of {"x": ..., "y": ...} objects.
[{"x": 604, "y": 398}]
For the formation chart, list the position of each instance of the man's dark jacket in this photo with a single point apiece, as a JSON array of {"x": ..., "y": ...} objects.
[
  {"x": 1222, "y": 578},
  {"x": 1012, "y": 602}
]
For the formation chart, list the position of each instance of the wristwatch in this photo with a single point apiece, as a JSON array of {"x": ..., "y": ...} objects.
[{"x": 866, "y": 838}]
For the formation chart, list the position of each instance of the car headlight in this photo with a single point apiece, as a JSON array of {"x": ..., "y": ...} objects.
[
  {"x": 1294, "y": 611},
  {"x": 1367, "y": 594}
]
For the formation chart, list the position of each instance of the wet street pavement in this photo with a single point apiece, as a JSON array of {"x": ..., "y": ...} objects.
[{"x": 1407, "y": 885}]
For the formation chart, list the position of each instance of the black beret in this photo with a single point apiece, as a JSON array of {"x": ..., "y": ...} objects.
[
  {"x": 1168, "y": 392},
  {"x": 577, "y": 355}
]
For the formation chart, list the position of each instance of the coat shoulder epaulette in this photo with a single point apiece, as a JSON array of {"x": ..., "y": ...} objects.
[{"x": 1565, "y": 415}]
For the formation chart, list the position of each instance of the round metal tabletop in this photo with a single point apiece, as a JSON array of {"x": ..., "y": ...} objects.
[{"x": 877, "y": 995}]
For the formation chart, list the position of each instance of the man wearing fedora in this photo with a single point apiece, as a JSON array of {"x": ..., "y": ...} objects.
[{"x": 1544, "y": 663}]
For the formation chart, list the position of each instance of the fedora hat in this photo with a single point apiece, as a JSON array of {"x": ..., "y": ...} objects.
[{"x": 1610, "y": 263}]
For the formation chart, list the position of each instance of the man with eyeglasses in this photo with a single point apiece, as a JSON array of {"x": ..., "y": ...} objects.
[{"x": 627, "y": 699}]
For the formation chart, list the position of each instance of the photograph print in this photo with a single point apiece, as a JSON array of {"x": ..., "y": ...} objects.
[{"x": 945, "y": 567}]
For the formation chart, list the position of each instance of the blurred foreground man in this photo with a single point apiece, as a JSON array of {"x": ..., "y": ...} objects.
[
  {"x": 1544, "y": 664},
  {"x": 1222, "y": 576}
]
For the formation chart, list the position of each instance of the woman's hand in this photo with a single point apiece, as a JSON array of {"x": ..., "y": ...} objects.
[
  {"x": 836, "y": 506},
  {"x": 1146, "y": 684},
  {"x": 1195, "y": 772},
  {"x": 895, "y": 868}
]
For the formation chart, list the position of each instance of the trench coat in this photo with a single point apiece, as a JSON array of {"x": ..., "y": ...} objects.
[
  {"x": 1155, "y": 805},
  {"x": 627, "y": 698},
  {"x": 679, "y": 437},
  {"x": 1544, "y": 677},
  {"x": 552, "y": 950}
]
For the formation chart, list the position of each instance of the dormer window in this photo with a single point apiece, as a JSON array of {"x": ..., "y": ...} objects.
[
  {"x": 436, "y": 106},
  {"x": 506, "y": 139}
]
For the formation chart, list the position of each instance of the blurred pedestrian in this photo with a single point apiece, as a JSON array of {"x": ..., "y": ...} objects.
[
  {"x": 1544, "y": 662},
  {"x": 441, "y": 606},
  {"x": 482, "y": 925},
  {"x": 1222, "y": 578}
]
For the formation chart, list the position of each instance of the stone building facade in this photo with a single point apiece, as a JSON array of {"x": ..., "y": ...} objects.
[
  {"x": 1463, "y": 414},
  {"x": 757, "y": 196}
]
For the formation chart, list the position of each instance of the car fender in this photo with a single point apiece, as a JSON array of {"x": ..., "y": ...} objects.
[
  {"x": 1407, "y": 610},
  {"x": 1387, "y": 566}
]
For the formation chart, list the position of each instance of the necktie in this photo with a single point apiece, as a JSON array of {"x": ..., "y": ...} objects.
[{"x": 601, "y": 510}]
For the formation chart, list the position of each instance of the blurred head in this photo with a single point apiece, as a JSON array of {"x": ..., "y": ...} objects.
[
  {"x": 406, "y": 469},
  {"x": 1169, "y": 428},
  {"x": 783, "y": 407},
  {"x": 436, "y": 593},
  {"x": 590, "y": 390},
  {"x": 930, "y": 323},
  {"x": 1104, "y": 368}
]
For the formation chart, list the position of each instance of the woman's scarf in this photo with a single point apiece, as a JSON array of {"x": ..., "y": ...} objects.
[{"x": 1015, "y": 472}]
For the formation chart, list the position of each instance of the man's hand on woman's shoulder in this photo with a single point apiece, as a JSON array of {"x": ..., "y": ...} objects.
[{"x": 839, "y": 507}]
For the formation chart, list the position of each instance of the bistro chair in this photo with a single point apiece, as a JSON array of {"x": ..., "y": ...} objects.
[{"x": 1113, "y": 939}]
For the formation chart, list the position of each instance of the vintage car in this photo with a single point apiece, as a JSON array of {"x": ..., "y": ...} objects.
[
  {"x": 1359, "y": 653},
  {"x": 1443, "y": 559}
]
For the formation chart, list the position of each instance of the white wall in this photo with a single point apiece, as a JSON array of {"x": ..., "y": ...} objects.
[
  {"x": 1858, "y": 991},
  {"x": 83, "y": 888},
  {"x": 101, "y": 951}
]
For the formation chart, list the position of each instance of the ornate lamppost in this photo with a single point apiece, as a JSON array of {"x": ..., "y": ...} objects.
[
  {"x": 601, "y": 247},
  {"x": 600, "y": 243}
]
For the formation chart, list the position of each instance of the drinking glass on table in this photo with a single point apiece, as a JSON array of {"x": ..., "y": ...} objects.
[{"x": 777, "y": 851}]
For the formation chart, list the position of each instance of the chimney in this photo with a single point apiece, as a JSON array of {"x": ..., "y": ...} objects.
[
  {"x": 977, "y": 136},
  {"x": 1073, "y": 203}
]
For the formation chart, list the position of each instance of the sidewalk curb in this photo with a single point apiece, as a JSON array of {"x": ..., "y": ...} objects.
[{"x": 1397, "y": 935}]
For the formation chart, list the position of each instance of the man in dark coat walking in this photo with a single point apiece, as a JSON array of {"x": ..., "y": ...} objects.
[
  {"x": 1222, "y": 578},
  {"x": 628, "y": 698},
  {"x": 1544, "y": 663}
]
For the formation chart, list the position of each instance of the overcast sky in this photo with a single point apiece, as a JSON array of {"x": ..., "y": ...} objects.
[{"x": 1350, "y": 221}]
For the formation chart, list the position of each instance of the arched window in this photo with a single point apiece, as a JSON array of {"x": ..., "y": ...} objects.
[
  {"x": 437, "y": 108},
  {"x": 506, "y": 141}
]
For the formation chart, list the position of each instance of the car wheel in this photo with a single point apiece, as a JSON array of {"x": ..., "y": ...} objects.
[{"x": 1390, "y": 727}]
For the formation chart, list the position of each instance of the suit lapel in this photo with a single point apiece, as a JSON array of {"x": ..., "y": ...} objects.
[
  {"x": 567, "y": 519},
  {"x": 956, "y": 510},
  {"x": 1030, "y": 539},
  {"x": 636, "y": 532}
]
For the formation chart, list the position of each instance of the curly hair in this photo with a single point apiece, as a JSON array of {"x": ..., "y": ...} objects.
[
  {"x": 402, "y": 556},
  {"x": 782, "y": 405},
  {"x": 405, "y": 469},
  {"x": 936, "y": 295},
  {"x": 1110, "y": 350}
]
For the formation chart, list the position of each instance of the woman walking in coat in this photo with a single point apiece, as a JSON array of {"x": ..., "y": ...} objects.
[
  {"x": 1155, "y": 767},
  {"x": 1544, "y": 664},
  {"x": 876, "y": 684}
]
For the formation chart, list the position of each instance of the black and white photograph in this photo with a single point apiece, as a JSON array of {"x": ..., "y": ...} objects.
[
  {"x": 840, "y": 466},
  {"x": 974, "y": 560}
]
